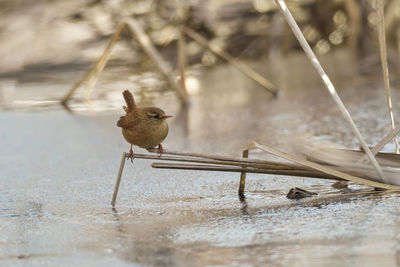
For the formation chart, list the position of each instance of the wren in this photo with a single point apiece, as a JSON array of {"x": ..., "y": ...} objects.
[{"x": 145, "y": 127}]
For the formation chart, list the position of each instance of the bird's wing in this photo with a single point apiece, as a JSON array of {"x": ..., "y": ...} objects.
[{"x": 125, "y": 122}]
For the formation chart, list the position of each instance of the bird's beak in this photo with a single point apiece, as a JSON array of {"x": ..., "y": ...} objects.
[{"x": 167, "y": 116}]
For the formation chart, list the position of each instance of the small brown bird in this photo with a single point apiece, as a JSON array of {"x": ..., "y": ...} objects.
[{"x": 145, "y": 127}]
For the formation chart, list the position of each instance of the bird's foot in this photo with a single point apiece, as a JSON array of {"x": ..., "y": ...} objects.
[
  {"x": 130, "y": 154},
  {"x": 160, "y": 150}
]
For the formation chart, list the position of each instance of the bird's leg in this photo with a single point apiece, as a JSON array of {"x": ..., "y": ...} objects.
[
  {"x": 160, "y": 150},
  {"x": 130, "y": 155}
]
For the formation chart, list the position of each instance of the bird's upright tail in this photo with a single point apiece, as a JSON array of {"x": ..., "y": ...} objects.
[{"x": 130, "y": 101}]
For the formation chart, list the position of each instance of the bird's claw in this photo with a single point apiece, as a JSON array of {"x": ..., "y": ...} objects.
[
  {"x": 130, "y": 155},
  {"x": 160, "y": 150}
]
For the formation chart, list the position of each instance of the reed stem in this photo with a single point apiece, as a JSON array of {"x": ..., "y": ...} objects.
[
  {"x": 222, "y": 158},
  {"x": 385, "y": 69},
  {"x": 118, "y": 181},
  {"x": 322, "y": 168},
  {"x": 155, "y": 56},
  {"x": 314, "y": 61},
  {"x": 199, "y": 167},
  {"x": 227, "y": 161}
]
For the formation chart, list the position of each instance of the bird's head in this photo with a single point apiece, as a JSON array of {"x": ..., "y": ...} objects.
[{"x": 154, "y": 115}]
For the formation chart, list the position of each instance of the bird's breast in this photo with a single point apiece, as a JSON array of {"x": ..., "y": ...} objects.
[{"x": 146, "y": 136}]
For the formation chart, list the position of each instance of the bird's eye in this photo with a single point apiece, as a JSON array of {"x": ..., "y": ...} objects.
[{"x": 154, "y": 115}]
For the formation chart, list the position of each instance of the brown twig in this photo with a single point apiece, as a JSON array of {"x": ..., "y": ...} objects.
[
  {"x": 205, "y": 159},
  {"x": 118, "y": 181},
  {"x": 199, "y": 167},
  {"x": 328, "y": 84},
  {"x": 322, "y": 168},
  {"x": 222, "y": 158},
  {"x": 269, "y": 165},
  {"x": 242, "y": 182},
  {"x": 182, "y": 59},
  {"x": 207, "y": 162}
]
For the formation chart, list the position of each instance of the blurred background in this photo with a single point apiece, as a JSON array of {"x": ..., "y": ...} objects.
[{"x": 51, "y": 43}]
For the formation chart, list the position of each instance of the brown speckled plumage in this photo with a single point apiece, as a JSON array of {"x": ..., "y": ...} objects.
[
  {"x": 145, "y": 127},
  {"x": 129, "y": 100}
]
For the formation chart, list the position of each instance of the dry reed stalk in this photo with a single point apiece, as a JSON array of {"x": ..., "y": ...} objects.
[
  {"x": 385, "y": 69},
  {"x": 208, "y": 167},
  {"x": 322, "y": 168},
  {"x": 314, "y": 61},
  {"x": 229, "y": 164},
  {"x": 226, "y": 159},
  {"x": 242, "y": 182},
  {"x": 392, "y": 134},
  {"x": 269, "y": 167},
  {"x": 152, "y": 52},
  {"x": 234, "y": 62},
  {"x": 93, "y": 73},
  {"x": 202, "y": 158},
  {"x": 277, "y": 168},
  {"x": 118, "y": 181}
]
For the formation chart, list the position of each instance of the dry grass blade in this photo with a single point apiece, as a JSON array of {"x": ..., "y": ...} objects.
[
  {"x": 322, "y": 168},
  {"x": 385, "y": 69},
  {"x": 237, "y": 64},
  {"x": 314, "y": 61}
]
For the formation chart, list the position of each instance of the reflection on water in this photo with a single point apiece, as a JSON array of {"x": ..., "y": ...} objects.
[{"x": 58, "y": 171}]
